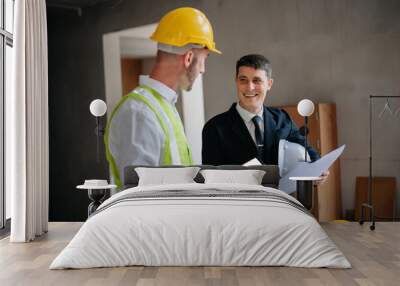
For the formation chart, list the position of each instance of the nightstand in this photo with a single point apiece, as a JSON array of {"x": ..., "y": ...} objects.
[{"x": 97, "y": 191}]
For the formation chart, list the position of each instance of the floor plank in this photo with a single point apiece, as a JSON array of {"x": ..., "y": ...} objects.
[{"x": 375, "y": 257}]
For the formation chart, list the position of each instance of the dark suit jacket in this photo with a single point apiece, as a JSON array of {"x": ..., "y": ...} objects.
[{"x": 226, "y": 139}]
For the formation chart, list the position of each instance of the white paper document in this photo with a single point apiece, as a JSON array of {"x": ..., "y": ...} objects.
[
  {"x": 252, "y": 162},
  {"x": 306, "y": 169}
]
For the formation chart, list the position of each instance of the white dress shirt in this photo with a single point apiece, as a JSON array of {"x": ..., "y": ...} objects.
[{"x": 247, "y": 117}]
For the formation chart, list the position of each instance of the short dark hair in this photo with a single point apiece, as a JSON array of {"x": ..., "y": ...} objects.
[{"x": 256, "y": 62}]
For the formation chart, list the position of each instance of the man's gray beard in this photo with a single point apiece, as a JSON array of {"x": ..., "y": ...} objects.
[
  {"x": 185, "y": 84},
  {"x": 189, "y": 88},
  {"x": 188, "y": 82},
  {"x": 189, "y": 75}
]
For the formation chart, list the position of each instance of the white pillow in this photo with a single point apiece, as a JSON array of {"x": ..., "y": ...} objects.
[
  {"x": 163, "y": 176},
  {"x": 248, "y": 177}
]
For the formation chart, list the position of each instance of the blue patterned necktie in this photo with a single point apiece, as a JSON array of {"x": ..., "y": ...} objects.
[{"x": 259, "y": 135}]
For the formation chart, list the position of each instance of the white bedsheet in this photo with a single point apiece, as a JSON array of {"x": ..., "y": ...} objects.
[{"x": 200, "y": 231}]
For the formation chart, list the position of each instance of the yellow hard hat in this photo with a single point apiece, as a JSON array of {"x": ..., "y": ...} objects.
[{"x": 184, "y": 26}]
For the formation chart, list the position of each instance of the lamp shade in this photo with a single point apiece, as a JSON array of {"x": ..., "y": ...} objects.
[
  {"x": 98, "y": 107},
  {"x": 305, "y": 107}
]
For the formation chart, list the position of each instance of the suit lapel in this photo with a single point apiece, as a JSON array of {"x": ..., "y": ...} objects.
[
  {"x": 241, "y": 131},
  {"x": 269, "y": 134}
]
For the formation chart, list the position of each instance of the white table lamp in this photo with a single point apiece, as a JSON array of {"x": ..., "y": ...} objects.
[
  {"x": 305, "y": 108},
  {"x": 98, "y": 108},
  {"x": 304, "y": 185}
]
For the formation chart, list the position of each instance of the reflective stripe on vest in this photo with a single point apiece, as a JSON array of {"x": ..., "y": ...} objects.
[
  {"x": 148, "y": 94},
  {"x": 163, "y": 111},
  {"x": 177, "y": 128}
]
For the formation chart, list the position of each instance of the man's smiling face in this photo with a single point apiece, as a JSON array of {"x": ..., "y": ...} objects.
[{"x": 252, "y": 86}]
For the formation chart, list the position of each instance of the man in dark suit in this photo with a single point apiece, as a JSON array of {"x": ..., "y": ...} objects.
[{"x": 249, "y": 129}]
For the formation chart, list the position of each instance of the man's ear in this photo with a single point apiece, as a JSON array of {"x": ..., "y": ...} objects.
[
  {"x": 270, "y": 82},
  {"x": 188, "y": 58}
]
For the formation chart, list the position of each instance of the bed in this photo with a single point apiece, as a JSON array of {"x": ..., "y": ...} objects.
[{"x": 201, "y": 224}]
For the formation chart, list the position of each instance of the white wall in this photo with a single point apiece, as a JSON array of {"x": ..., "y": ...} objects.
[{"x": 193, "y": 117}]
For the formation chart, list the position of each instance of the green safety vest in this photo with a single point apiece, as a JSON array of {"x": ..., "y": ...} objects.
[{"x": 176, "y": 124}]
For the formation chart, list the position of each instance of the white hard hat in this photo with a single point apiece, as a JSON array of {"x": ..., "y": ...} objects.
[{"x": 289, "y": 154}]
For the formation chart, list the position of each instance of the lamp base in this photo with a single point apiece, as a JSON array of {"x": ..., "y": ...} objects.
[
  {"x": 305, "y": 192},
  {"x": 97, "y": 196}
]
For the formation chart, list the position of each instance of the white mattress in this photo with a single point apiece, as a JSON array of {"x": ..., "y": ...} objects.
[{"x": 183, "y": 231}]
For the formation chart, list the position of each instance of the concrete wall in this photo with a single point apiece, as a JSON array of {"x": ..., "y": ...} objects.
[{"x": 328, "y": 51}]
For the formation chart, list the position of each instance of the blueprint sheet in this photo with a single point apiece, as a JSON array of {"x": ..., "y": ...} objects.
[{"x": 308, "y": 169}]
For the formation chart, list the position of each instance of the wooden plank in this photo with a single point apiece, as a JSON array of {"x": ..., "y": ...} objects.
[
  {"x": 329, "y": 193},
  {"x": 383, "y": 196}
]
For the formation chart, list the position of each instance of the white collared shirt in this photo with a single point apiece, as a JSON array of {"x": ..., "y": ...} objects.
[
  {"x": 169, "y": 94},
  {"x": 247, "y": 117},
  {"x": 135, "y": 135}
]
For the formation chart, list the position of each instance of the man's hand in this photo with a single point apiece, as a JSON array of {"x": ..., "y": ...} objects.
[{"x": 324, "y": 177}]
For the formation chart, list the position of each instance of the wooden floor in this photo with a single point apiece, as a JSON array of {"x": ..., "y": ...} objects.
[{"x": 375, "y": 257}]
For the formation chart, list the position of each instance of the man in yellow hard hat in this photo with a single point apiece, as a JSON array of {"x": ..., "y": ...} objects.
[{"x": 145, "y": 127}]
